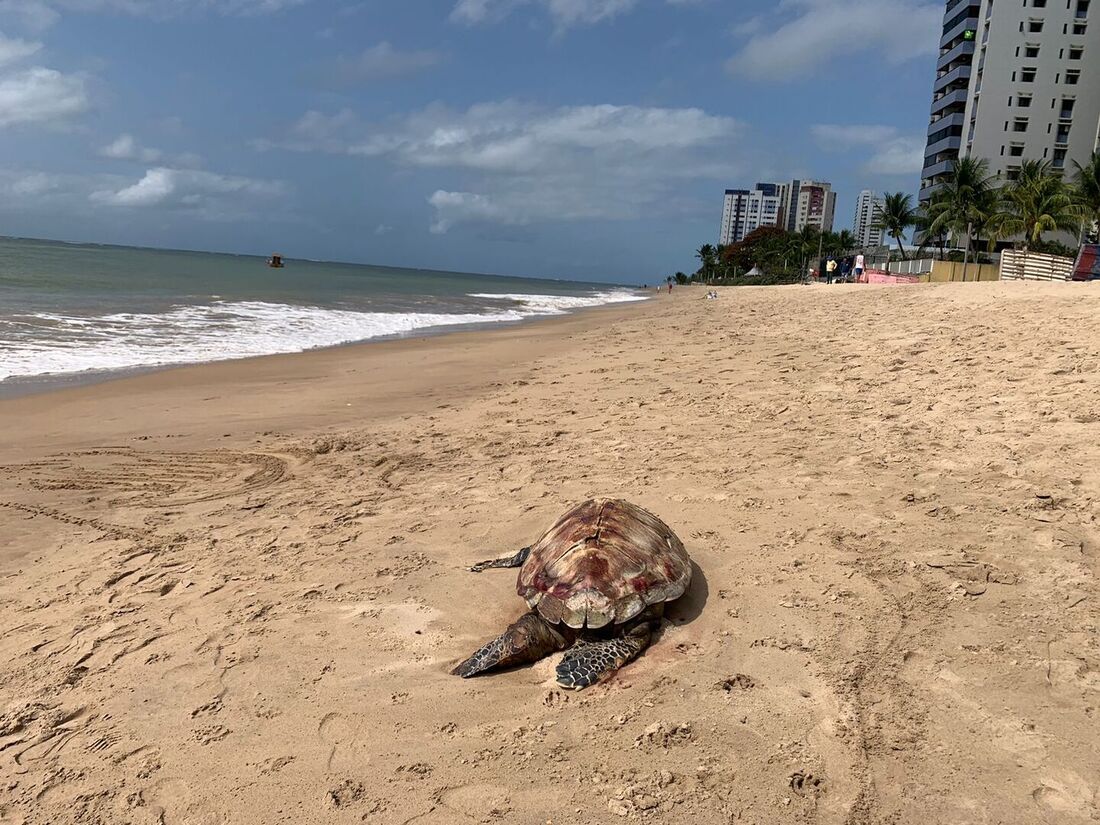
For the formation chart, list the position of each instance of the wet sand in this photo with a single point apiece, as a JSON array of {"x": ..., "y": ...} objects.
[{"x": 231, "y": 593}]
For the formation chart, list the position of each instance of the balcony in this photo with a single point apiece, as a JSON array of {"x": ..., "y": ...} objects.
[
  {"x": 955, "y": 98},
  {"x": 957, "y": 31},
  {"x": 936, "y": 169},
  {"x": 953, "y": 77},
  {"x": 964, "y": 49},
  {"x": 945, "y": 122},
  {"x": 928, "y": 191},
  {"x": 945, "y": 145}
]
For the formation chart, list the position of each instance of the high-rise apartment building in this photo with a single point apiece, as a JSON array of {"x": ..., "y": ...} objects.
[
  {"x": 745, "y": 211},
  {"x": 1016, "y": 80},
  {"x": 789, "y": 206},
  {"x": 811, "y": 203},
  {"x": 868, "y": 206}
]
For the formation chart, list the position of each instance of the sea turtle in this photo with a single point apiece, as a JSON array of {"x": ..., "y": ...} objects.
[{"x": 597, "y": 583}]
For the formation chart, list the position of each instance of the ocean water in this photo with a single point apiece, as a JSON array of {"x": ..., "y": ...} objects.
[{"x": 74, "y": 312}]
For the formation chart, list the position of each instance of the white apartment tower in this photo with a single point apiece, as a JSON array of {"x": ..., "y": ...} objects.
[
  {"x": 1016, "y": 80},
  {"x": 868, "y": 206},
  {"x": 745, "y": 211},
  {"x": 789, "y": 206}
]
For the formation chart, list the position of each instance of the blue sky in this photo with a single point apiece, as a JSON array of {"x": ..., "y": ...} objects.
[{"x": 561, "y": 138}]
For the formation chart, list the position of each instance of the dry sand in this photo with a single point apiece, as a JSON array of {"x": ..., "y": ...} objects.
[{"x": 227, "y": 596}]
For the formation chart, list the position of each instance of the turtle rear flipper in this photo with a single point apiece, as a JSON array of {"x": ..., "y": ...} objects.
[
  {"x": 511, "y": 561},
  {"x": 591, "y": 662},
  {"x": 527, "y": 640}
]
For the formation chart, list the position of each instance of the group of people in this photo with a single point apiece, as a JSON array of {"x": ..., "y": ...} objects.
[{"x": 839, "y": 270}]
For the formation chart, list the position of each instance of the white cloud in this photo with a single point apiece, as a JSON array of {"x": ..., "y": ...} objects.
[
  {"x": 39, "y": 95},
  {"x": 888, "y": 151},
  {"x": 13, "y": 50},
  {"x": 316, "y": 132},
  {"x": 38, "y": 15},
  {"x": 207, "y": 193},
  {"x": 526, "y": 163},
  {"x": 126, "y": 147},
  {"x": 563, "y": 12},
  {"x": 32, "y": 14},
  {"x": 900, "y": 156},
  {"x": 34, "y": 183},
  {"x": 30, "y": 189},
  {"x": 513, "y": 137},
  {"x": 468, "y": 207},
  {"x": 172, "y": 8},
  {"x": 381, "y": 62},
  {"x": 830, "y": 30}
]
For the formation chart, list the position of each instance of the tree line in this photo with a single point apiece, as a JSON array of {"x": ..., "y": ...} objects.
[{"x": 972, "y": 206}]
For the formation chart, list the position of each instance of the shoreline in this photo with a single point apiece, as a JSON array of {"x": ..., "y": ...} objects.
[
  {"x": 26, "y": 386},
  {"x": 393, "y": 372}
]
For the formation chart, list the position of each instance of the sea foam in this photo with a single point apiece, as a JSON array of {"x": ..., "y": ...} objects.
[{"x": 54, "y": 344}]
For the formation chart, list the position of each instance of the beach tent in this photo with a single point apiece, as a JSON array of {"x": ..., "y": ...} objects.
[{"x": 754, "y": 272}]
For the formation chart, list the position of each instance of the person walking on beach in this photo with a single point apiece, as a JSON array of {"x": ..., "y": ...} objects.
[{"x": 859, "y": 265}]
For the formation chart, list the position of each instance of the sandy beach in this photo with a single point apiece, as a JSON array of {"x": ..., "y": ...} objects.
[{"x": 232, "y": 593}]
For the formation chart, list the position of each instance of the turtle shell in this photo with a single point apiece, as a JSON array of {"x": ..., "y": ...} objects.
[{"x": 604, "y": 561}]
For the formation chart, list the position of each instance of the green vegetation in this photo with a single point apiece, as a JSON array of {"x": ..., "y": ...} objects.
[
  {"x": 896, "y": 216},
  {"x": 1086, "y": 191},
  {"x": 1035, "y": 203},
  {"x": 971, "y": 206}
]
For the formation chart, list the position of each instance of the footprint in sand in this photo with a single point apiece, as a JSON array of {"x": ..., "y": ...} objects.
[{"x": 339, "y": 735}]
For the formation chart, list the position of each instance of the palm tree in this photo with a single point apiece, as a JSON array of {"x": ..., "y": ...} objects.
[
  {"x": 808, "y": 241},
  {"x": 1087, "y": 189},
  {"x": 968, "y": 200},
  {"x": 895, "y": 215},
  {"x": 705, "y": 254},
  {"x": 924, "y": 224},
  {"x": 1036, "y": 202},
  {"x": 845, "y": 240}
]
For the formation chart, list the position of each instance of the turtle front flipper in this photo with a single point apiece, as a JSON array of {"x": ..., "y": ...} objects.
[
  {"x": 591, "y": 662},
  {"x": 511, "y": 561},
  {"x": 527, "y": 640}
]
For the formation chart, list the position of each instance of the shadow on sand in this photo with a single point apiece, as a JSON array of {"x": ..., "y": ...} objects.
[{"x": 689, "y": 607}]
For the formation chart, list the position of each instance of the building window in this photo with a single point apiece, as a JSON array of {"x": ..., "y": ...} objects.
[
  {"x": 1080, "y": 28},
  {"x": 1016, "y": 150},
  {"x": 1023, "y": 101},
  {"x": 1027, "y": 75},
  {"x": 1031, "y": 51},
  {"x": 1075, "y": 52},
  {"x": 1035, "y": 26},
  {"x": 1013, "y": 173},
  {"x": 1063, "y": 133},
  {"x": 1020, "y": 124},
  {"x": 1082, "y": 8},
  {"x": 1072, "y": 77},
  {"x": 1067, "y": 108},
  {"x": 1039, "y": 4},
  {"x": 1059, "y": 160}
]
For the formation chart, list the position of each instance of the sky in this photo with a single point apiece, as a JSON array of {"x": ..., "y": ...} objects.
[{"x": 586, "y": 139}]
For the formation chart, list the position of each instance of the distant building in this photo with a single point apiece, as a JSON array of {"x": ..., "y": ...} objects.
[
  {"x": 868, "y": 206},
  {"x": 1014, "y": 83},
  {"x": 789, "y": 206},
  {"x": 810, "y": 203},
  {"x": 745, "y": 211}
]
